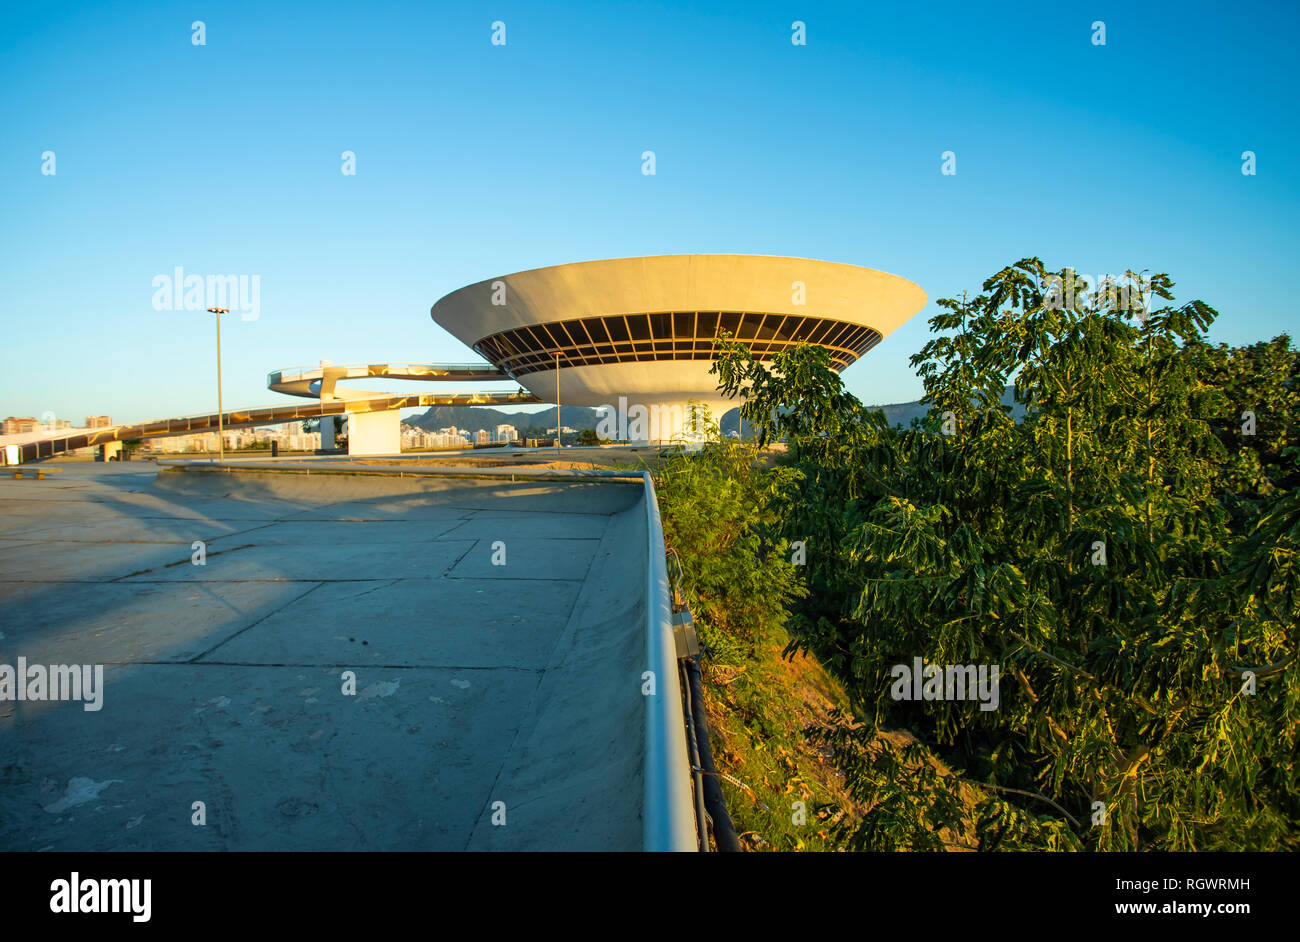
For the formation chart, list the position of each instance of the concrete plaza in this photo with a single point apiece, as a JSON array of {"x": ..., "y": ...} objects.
[{"x": 476, "y": 684}]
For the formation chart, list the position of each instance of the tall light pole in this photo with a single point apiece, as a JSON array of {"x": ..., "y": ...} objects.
[
  {"x": 557, "y": 399},
  {"x": 221, "y": 421}
]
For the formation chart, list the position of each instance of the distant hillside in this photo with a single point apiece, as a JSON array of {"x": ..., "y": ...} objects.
[
  {"x": 902, "y": 413},
  {"x": 473, "y": 418}
]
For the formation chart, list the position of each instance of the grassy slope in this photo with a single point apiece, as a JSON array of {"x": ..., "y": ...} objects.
[
  {"x": 759, "y": 714},
  {"x": 761, "y": 710}
]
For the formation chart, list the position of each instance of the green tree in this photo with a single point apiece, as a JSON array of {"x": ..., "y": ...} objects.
[
  {"x": 313, "y": 425},
  {"x": 1097, "y": 552},
  {"x": 1260, "y": 419}
]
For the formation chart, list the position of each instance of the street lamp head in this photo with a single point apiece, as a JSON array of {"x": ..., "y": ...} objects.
[{"x": 218, "y": 310}]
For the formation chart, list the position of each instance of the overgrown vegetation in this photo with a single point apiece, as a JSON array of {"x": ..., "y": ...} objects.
[
  {"x": 782, "y": 788},
  {"x": 720, "y": 518},
  {"x": 1126, "y": 556}
]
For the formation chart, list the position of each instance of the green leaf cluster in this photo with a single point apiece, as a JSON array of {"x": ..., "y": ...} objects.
[{"x": 718, "y": 505}]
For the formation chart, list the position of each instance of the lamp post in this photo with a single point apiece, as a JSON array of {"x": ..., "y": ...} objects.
[
  {"x": 557, "y": 399},
  {"x": 221, "y": 422}
]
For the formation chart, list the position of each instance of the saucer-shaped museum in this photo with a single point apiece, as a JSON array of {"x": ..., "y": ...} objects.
[{"x": 642, "y": 328}]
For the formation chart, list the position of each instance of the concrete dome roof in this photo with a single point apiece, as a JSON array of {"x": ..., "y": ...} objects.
[{"x": 657, "y": 283}]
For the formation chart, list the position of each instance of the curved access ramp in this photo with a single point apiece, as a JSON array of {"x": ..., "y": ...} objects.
[
  {"x": 321, "y": 381},
  {"x": 305, "y": 382}
]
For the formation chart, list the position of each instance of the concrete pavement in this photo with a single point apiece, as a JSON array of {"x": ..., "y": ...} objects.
[{"x": 481, "y": 691}]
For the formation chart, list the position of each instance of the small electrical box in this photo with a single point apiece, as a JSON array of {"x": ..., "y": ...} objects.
[{"x": 688, "y": 645}]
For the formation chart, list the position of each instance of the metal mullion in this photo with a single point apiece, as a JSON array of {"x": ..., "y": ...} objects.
[
  {"x": 825, "y": 329},
  {"x": 555, "y": 345},
  {"x": 776, "y": 330},
  {"x": 535, "y": 341},
  {"x": 833, "y": 338},
  {"x": 859, "y": 336}
]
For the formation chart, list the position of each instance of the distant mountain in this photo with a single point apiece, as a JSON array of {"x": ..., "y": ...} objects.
[
  {"x": 902, "y": 413},
  {"x": 473, "y": 418}
]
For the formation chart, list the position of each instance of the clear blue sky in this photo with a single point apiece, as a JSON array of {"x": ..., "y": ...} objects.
[{"x": 476, "y": 160}]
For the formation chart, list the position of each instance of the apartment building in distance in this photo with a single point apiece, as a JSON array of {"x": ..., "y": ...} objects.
[{"x": 20, "y": 426}]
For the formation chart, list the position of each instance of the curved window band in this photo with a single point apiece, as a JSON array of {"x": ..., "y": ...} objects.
[{"x": 676, "y": 335}]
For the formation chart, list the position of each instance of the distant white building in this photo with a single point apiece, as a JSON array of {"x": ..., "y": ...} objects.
[
  {"x": 507, "y": 433},
  {"x": 482, "y": 437}
]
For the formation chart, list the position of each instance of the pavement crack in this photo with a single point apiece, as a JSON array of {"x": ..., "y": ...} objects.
[{"x": 254, "y": 624}]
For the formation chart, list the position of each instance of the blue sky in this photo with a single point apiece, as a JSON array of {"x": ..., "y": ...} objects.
[{"x": 474, "y": 160}]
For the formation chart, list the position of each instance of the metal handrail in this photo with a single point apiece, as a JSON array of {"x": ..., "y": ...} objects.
[{"x": 668, "y": 812}]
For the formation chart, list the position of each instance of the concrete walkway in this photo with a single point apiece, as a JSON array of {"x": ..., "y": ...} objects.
[{"x": 476, "y": 684}]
